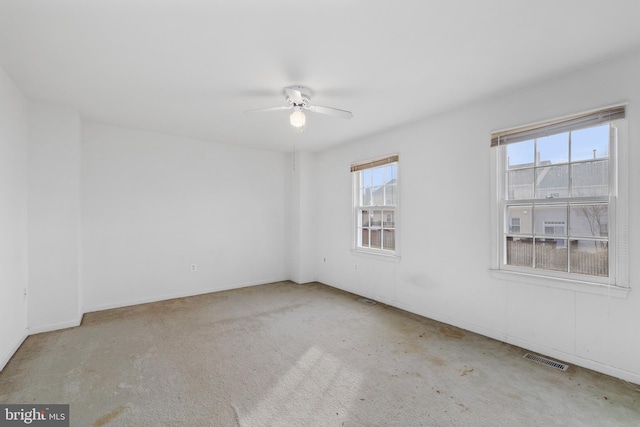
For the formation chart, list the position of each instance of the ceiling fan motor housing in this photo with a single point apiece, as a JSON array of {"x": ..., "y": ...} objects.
[
  {"x": 305, "y": 95},
  {"x": 298, "y": 98}
]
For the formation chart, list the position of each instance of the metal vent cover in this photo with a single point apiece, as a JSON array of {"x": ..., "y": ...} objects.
[{"x": 544, "y": 361}]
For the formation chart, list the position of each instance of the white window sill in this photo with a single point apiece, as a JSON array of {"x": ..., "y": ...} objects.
[
  {"x": 561, "y": 283},
  {"x": 383, "y": 256}
]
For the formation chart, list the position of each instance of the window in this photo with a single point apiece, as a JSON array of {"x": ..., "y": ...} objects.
[
  {"x": 515, "y": 225},
  {"x": 375, "y": 186},
  {"x": 557, "y": 193}
]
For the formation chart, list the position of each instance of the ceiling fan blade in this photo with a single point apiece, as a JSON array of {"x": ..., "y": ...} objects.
[
  {"x": 294, "y": 94},
  {"x": 331, "y": 111},
  {"x": 262, "y": 110}
]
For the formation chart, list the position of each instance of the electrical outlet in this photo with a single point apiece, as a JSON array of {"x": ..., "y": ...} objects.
[
  {"x": 24, "y": 292},
  {"x": 194, "y": 267}
]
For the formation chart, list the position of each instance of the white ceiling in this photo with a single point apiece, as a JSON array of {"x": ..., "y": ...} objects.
[{"x": 191, "y": 67}]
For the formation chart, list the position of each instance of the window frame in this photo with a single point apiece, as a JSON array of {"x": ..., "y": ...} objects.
[
  {"x": 617, "y": 222},
  {"x": 357, "y": 170}
]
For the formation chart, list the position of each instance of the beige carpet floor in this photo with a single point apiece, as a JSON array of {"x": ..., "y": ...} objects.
[{"x": 299, "y": 355}]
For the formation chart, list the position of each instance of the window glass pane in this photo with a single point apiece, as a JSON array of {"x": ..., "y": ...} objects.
[
  {"x": 365, "y": 237},
  {"x": 390, "y": 194},
  {"x": 590, "y": 179},
  {"x": 376, "y": 219},
  {"x": 519, "y": 219},
  {"x": 589, "y": 220},
  {"x": 389, "y": 173},
  {"x": 520, "y": 251},
  {"x": 388, "y": 220},
  {"x": 551, "y": 255},
  {"x": 551, "y": 220},
  {"x": 520, "y": 154},
  {"x": 590, "y": 257},
  {"x": 552, "y": 182},
  {"x": 553, "y": 149},
  {"x": 392, "y": 174},
  {"x": 520, "y": 184},
  {"x": 378, "y": 176},
  {"x": 366, "y": 197},
  {"x": 365, "y": 218},
  {"x": 377, "y": 194},
  {"x": 367, "y": 178},
  {"x": 376, "y": 239},
  {"x": 590, "y": 143},
  {"x": 389, "y": 239}
]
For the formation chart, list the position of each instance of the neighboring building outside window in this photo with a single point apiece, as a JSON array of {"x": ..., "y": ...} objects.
[
  {"x": 375, "y": 186},
  {"x": 557, "y": 182}
]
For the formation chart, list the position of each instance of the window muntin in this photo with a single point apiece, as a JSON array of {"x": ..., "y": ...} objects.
[
  {"x": 376, "y": 201},
  {"x": 555, "y": 201}
]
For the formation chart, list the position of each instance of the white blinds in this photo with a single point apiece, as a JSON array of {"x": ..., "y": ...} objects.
[
  {"x": 373, "y": 163},
  {"x": 553, "y": 127}
]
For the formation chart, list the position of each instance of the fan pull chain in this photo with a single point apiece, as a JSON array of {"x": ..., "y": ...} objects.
[
  {"x": 294, "y": 151},
  {"x": 296, "y": 132}
]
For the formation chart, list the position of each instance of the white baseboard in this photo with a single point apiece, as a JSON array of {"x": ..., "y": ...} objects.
[
  {"x": 55, "y": 326},
  {"x": 164, "y": 297},
  {"x": 11, "y": 351}
]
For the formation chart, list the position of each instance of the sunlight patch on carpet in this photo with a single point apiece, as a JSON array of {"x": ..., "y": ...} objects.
[{"x": 318, "y": 386}]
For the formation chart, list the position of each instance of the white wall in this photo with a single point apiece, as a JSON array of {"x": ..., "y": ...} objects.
[
  {"x": 303, "y": 224},
  {"x": 154, "y": 204},
  {"x": 446, "y": 215},
  {"x": 13, "y": 218},
  {"x": 54, "y": 175}
]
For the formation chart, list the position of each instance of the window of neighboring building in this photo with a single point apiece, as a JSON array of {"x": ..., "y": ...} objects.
[
  {"x": 515, "y": 225},
  {"x": 375, "y": 204},
  {"x": 557, "y": 187}
]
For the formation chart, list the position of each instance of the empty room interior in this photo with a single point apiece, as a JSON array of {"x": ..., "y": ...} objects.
[{"x": 321, "y": 213}]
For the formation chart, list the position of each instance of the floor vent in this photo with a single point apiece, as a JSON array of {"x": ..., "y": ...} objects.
[
  {"x": 367, "y": 301},
  {"x": 545, "y": 361}
]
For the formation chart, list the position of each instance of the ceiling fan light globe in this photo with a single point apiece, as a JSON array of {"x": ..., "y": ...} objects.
[{"x": 297, "y": 119}]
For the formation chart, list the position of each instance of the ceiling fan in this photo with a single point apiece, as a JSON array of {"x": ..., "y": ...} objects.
[{"x": 298, "y": 99}]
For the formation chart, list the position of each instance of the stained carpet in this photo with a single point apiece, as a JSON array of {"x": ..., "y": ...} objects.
[{"x": 283, "y": 354}]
